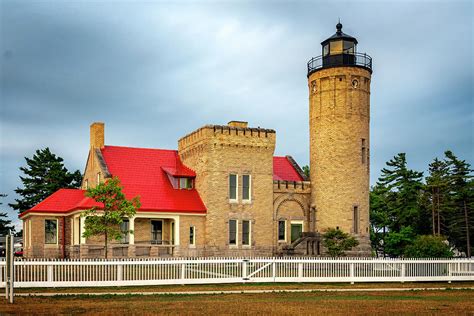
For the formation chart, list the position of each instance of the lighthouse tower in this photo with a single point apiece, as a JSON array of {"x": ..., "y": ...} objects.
[{"x": 339, "y": 115}]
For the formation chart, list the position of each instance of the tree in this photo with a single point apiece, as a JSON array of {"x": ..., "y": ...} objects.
[
  {"x": 338, "y": 242},
  {"x": 428, "y": 246},
  {"x": 106, "y": 222},
  {"x": 461, "y": 191},
  {"x": 45, "y": 173},
  {"x": 397, "y": 241},
  {"x": 306, "y": 171},
  {"x": 5, "y": 226},
  {"x": 436, "y": 189},
  {"x": 379, "y": 219}
]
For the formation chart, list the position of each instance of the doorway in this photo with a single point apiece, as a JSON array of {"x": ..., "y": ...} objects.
[
  {"x": 157, "y": 232},
  {"x": 296, "y": 231}
]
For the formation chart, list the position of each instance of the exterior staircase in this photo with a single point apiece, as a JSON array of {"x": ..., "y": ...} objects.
[{"x": 308, "y": 244}]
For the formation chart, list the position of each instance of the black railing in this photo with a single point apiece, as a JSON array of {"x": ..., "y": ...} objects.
[{"x": 357, "y": 59}]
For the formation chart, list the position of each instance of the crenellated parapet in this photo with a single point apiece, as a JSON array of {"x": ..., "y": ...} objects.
[{"x": 301, "y": 187}]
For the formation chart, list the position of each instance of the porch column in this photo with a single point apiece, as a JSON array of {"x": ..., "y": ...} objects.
[
  {"x": 81, "y": 229},
  {"x": 131, "y": 237},
  {"x": 176, "y": 230}
]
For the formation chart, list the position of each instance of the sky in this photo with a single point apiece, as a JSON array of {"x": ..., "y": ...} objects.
[{"x": 155, "y": 71}]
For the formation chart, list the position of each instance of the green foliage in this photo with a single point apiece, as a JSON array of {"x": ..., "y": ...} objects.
[
  {"x": 428, "y": 246},
  {"x": 44, "y": 174},
  {"x": 5, "y": 226},
  {"x": 306, "y": 171},
  {"x": 396, "y": 241},
  {"x": 402, "y": 207},
  {"x": 106, "y": 222},
  {"x": 338, "y": 242}
]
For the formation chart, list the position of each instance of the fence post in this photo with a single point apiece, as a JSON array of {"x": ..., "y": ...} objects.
[
  {"x": 450, "y": 274},
  {"x": 119, "y": 272},
  {"x": 274, "y": 270},
  {"x": 183, "y": 272},
  {"x": 49, "y": 273},
  {"x": 244, "y": 269},
  {"x": 352, "y": 272},
  {"x": 300, "y": 271},
  {"x": 403, "y": 272}
]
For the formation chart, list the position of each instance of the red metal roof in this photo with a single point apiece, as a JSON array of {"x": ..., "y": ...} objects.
[
  {"x": 140, "y": 171},
  {"x": 63, "y": 201},
  {"x": 283, "y": 170}
]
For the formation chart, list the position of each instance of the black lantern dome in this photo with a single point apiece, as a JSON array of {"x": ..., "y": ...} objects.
[{"x": 339, "y": 50}]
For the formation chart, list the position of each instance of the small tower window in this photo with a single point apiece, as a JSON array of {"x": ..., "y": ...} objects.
[
  {"x": 86, "y": 184},
  {"x": 363, "y": 151},
  {"x": 98, "y": 178},
  {"x": 355, "y": 220}
]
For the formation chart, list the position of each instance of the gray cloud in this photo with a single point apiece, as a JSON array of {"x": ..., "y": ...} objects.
[{"x": 156, "y": 71}]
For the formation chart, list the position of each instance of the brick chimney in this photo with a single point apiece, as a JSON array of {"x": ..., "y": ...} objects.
[
  {"x": 97, "y": 135},
  {"x": 241, "y": 124}
]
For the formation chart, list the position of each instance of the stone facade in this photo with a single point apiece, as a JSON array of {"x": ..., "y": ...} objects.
[
  {"x": 214, "y": 152},
  {"x": 339, "y": 107}
]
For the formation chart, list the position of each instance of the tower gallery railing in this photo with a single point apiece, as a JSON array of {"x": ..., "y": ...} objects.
[{"x": 356, "y": 59}]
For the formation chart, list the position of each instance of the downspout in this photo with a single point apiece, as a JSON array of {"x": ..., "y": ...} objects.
[{"x": 64, "y": 237}]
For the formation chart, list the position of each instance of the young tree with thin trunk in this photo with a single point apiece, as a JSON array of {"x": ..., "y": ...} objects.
[{"x": 105, "y": 222}]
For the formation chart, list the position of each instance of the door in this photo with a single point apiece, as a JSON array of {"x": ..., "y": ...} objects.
[
  {"x": 157, "y": 232},
  {"x": 296, "y": 230}
]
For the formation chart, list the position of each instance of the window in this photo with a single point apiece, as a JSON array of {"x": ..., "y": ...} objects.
[
  {"x": 363, "y": 151},
  {"x": 355, "y": 219},
  {"x": 156, "y": 232},
  {"x": 185, "y": 183},
  {"x": 124, "y": 228},
  {"x": 282, "y": 230},
  {"x": 326, "y": 50},
  {"x": 246, "y": 233},
  {"x": 51, "y": 231},
  {"x": 246, "y": 187},
  {"x": 86, "y": 184},
  {"x": 233, "y": 187},
  {"x": 98, "y": 177},
  {"x": 232, "y": 232},
  {"x": 349, "y": 47},
  {"x": 192, "y": 235},
  {"x": 336, "y": 47}
]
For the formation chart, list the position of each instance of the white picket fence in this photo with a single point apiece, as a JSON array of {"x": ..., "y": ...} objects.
[{"x": 86, "y": 273}]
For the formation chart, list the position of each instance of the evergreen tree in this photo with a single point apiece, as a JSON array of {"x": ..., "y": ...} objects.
[
  {"x": 437, "y": 194},
  {"x": 44, "y": 174},
  {"x": 338, "y": 242},
  {"x": 306, "y": 171},
  {"x": 461, "y": 191},
  {"x": 5, "y": 226},
  {"x": 379, "y": 219}
]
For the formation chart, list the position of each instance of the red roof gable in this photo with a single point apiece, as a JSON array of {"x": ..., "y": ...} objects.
[
  {"x": 141, "y": 173},
  {"x": 63, "y": 201},
  {"x": 284, "y": 170}
]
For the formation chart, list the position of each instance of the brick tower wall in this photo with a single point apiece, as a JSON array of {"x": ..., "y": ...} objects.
[{"x": 339, "y": 109}]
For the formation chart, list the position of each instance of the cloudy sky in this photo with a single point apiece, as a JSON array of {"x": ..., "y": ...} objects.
[{"x": 154, "y": 71}]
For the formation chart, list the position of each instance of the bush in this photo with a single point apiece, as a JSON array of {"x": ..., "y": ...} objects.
[
  {"x": 337, "y": 242},
  {"x": 428, "y": 246}
]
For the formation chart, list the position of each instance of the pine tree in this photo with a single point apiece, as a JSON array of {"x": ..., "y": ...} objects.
[
  {"x": 379, "y": 219},
  {"x": 44, "y": 174},
  {"x": 5, "y": 226},
  {"x": 401, "y": 187},
  {"x": 437, "y": 194},
  {"x": 461, "y": 191}
]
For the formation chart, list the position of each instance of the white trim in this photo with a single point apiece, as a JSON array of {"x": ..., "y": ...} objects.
[
  {"x": 29, "y": 233},
  {"x": 145, "y": 213},
  {"x": 57, "y": 231},
  {"x": 236, "y": 200},
  {"x": 249, "y": 200}
]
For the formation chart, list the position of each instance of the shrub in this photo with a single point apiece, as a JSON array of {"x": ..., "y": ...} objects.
[
  {"x": 337, "y": 242},
  {"x": 428, "y": 246}
]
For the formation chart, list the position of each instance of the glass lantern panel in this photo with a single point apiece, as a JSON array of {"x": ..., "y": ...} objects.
[
  {"x": 336, "y": 47},
  {"x": 349, "y": 47},
  {"x": 326, "y": 50}
]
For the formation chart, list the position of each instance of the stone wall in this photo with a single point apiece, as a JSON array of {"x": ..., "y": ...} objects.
[
  {"x": 339, "y": 104},
  {"x": 214, "y": 152}
]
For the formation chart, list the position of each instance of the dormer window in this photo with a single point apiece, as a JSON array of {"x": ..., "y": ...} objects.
[{"x": 185, "y": 183}]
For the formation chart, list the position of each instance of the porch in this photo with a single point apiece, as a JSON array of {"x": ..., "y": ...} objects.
[{"x": 149, "y": 235}]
